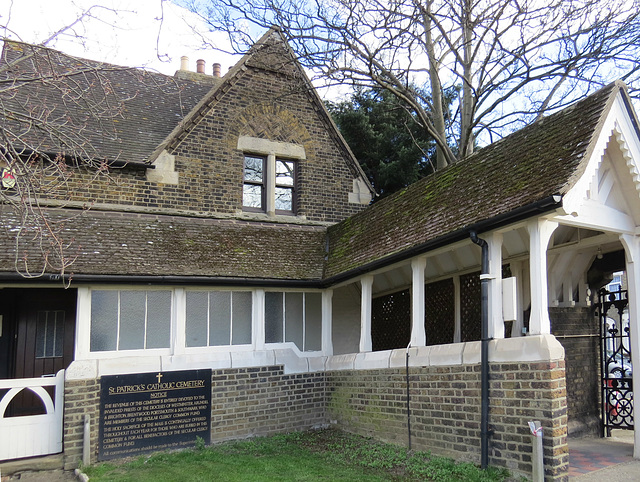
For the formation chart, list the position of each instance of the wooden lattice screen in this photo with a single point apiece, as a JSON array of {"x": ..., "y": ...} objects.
[
  {"x": 391, "y": 321},
  {"x": 439, "y": 312},
  {"x": 470, "y": 307}
]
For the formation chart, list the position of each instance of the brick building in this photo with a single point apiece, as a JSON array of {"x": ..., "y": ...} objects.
[{"x": 233, "y": 233}]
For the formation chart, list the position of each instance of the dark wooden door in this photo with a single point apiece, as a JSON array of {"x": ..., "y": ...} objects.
[{"x": 41, "y": 325}]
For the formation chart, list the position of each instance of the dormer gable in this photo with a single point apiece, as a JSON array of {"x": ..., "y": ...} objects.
[
  {"x": 266, "y": 99},
  {"x": 605, "y": 193}
]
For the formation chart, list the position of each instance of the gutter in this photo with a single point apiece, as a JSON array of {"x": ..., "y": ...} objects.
[{"x": 14, "y": 277}]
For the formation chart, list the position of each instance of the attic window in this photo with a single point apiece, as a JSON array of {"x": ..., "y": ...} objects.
[
  {"x": 269, "y": 185},
  {"x": 270, "y": 175}
]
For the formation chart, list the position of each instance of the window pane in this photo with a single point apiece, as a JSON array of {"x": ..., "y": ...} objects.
[
  {"x": 41, "y": 334},
  {"x": 241, "y": 317},
  {"x": 196, "y": 322},
  {"x": 293, "y": 317},
  {"x": 253, "y": 168},
  {"x": 104, "y": 320},
  {"x": 284, "y": 173},
  {"x": 58, "y": 336},
  {"x": 132, "y": 316},
  {"x": 158, "y": 319},
  {"x": 313, "y": 322},
  {"x": 273, "y": 317},
  {"x": 252, "y": 196},
  {"x": 220, "y": 318},
  {"x": 284, "y": 199}
]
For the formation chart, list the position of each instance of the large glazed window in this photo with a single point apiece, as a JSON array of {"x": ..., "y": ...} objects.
[
  {"x": 218, "y": 318},
  {"x": 294, "y": 317},
  {"x": 130, "y": 319}
]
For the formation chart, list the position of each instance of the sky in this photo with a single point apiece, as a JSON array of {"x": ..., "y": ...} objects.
[{"x": 152, "y": 34}]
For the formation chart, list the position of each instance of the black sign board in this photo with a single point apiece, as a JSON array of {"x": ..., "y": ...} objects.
[{"x": 146, "y": 412}]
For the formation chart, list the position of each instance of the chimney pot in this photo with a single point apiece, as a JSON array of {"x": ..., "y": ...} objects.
[
  {"x": 184, "y": 63},
  {"x": 216, "y": 69},
  {"x": 200, "y": 63}
]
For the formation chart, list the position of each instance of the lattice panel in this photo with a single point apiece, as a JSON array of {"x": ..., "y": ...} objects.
[
  {"x": 439, "y": 312},
  {"x": 470, "y": 307},
  {"x": 391, "y": 321}
]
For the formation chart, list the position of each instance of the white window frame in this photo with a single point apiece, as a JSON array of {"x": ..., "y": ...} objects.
[
  {"x": 304, "y": 321},
  {"x": 223, "y": 348},
  {"x": 178, "y": 326},
  {"x": 83, "y": 331}
]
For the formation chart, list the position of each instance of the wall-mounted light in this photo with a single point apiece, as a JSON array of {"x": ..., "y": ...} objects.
[{"x": 599, "y": 254}]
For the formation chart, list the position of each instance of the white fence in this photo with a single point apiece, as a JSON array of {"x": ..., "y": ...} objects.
[{"x": 32, "y": 435}]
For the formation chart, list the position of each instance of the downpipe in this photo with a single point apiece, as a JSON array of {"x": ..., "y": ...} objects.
[
  {"x": 484, "y": 351},
  {"x": 408, "y": 399}
]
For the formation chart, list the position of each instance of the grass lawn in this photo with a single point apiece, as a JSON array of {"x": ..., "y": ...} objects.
[{"x": 316, "y": 455}]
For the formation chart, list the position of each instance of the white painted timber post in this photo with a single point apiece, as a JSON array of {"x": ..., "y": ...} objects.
[
  {"x": 516, "y": 271},
  {"x": 632, "y": 250},
  {"x": 327, "y": 342},
  {"x": 496, "y": 322},
  {"x": 258, "y": 319},
  {"x": 540, "y": 231},
  {"x": 418, "y": 335},
  {"x": 366, "y": 283},
  {"x": 179, "y": 322},
  {"x": 83, "y": 324}
]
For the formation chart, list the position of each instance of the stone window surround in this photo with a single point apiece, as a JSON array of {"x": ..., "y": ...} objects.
[{"x": 271, "y": 150}]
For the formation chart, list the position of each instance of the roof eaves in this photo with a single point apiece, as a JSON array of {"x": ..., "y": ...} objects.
[{"x": 537, "y": 208}]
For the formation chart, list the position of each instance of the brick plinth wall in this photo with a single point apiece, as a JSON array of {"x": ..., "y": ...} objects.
[
  {"x": 244, "y": 402},
  {"x": 445, "y": 410},
  {"x": 264, "y": 400},
  {"x": 577, "y": 329},
  {"x": 80, "y": 397}
]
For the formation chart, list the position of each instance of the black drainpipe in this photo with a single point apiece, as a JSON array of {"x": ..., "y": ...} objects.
[{"x": 484, "y": 351}]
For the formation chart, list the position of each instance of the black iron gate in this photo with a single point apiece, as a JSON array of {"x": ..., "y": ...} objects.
[{"x": 615, "y": 361}]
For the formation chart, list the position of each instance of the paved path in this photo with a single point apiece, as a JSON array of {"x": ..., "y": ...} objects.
[
  {"x": 42, "y": 476},
  {"x": 603, "y": 459}
]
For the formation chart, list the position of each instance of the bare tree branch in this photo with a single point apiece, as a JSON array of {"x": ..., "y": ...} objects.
[{"x": 510, "y": 61}]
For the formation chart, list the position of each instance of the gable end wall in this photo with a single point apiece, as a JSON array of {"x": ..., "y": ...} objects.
[{"x": 269, "y": 106}]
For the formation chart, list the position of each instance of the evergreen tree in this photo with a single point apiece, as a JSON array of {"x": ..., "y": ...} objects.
[{"x": 392, "y": 147}]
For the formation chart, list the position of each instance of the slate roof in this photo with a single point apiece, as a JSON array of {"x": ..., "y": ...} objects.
[
  {"x": 128, "y": 244},
  {"x": 99, "y": 110},
  {"x": 496, "y": 183}
]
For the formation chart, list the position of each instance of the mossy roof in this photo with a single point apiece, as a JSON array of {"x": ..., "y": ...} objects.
[
  {"x": 533, "y": 164},
  {"x": 56, "y": 103},
  {"x": 140, "y": 245}
]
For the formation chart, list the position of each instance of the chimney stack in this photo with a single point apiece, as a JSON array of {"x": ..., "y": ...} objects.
[
  {"x": 216, "y": 69},
  {"x": 184, "y": 63},
  {"x": 200, "y": 63}
]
